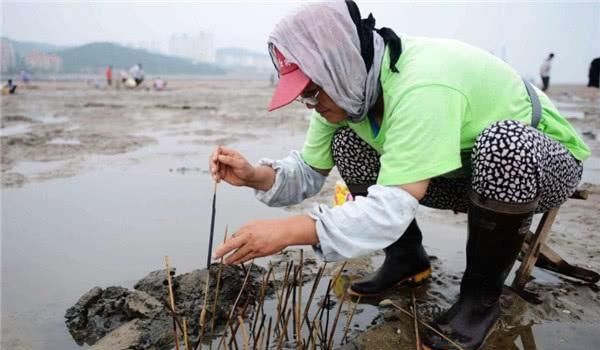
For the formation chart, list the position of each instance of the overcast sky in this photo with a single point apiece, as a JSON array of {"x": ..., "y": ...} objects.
[{"x": 522, "y": 32}]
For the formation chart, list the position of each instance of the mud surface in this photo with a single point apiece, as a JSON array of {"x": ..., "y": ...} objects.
[{"x": 99, "y": 185}]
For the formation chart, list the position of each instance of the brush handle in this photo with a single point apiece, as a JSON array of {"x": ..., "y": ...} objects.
[{"x": 212, "y": 228}]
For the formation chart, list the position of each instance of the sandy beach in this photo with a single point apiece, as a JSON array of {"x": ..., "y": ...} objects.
[{"x": 98, "y": 185}]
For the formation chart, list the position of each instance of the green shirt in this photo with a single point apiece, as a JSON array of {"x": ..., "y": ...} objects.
[{"x": 445, "y": 94}]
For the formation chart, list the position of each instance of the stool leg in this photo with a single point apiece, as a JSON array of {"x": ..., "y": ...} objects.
[{"x": 539, "y": 238}]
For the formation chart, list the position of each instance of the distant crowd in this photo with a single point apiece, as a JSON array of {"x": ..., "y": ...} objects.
[{"x": 134, "y": 77}]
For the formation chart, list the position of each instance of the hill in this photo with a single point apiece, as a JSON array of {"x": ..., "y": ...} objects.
[{"x": 91, "y": 57}]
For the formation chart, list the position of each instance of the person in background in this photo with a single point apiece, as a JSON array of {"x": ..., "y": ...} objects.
[
  {"x": 159, "y": 84},
  {"x": 594, "y": 74},
  {"x": 137, "y": 73},
  {"x": 9, "y": 88},
  {"x": 25, "y": 77},
  {"x": 108, "y": 74},
  {"x": 545, "y": 69},
  {"x": 123, "y": 76}
]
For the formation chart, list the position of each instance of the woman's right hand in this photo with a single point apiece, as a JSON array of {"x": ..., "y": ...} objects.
[{"x": 229, "y": 165}]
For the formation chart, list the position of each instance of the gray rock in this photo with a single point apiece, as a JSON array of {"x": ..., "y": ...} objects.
[
  {"x": 127, "y": 336},
  {"x": 118, "y": 318},
  {"x": 97, "y": 313},
  {"x": 142, "y": 305},
  {"x": 154, "y": 283}
]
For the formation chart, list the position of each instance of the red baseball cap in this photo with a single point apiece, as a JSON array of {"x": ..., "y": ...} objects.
[{"x": 291, "y": 82}]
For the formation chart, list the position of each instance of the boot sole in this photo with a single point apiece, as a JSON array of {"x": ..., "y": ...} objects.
[
  {"x": 492, "y": 329},
  {"x": 411, "y": 282}
]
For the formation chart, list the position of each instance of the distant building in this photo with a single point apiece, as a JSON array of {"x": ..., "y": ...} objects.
[
  {"x": 8, "y": 58},
  {"x": 45, "y": 62},
  {"x": 198, "y": 48},
  {"x": 238, "y": 58}
]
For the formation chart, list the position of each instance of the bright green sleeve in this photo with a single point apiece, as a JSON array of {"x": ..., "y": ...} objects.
[
  {"x": 317, "y": 145},
  {"x": 422, "y": 139}
]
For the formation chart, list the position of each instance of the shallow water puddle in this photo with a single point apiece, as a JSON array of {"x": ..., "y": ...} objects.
[{"x": 62, "y": 237}]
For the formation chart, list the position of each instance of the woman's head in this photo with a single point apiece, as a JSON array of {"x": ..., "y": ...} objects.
[
  {"x": 295, "y": 85},
  {"x": 321, "y": 44}
]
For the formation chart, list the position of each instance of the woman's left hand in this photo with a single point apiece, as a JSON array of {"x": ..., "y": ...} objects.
[
  {"x": 254, "y": 239},
  {"x": 266, "y": 237}
]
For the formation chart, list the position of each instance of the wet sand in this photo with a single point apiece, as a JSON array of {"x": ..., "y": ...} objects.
[{"x": 99, "y": 185}]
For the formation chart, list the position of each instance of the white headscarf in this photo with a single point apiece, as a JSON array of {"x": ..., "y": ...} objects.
[{"x": 323, "y": 41}]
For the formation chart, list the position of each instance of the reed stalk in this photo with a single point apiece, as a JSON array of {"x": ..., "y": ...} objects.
[
  {"x": 172, "y": 302},
  {"x": 335, "y": 321},
  {"x": 349, "y": 320},
  {"x": 185, "y": 335},
  {"x": 428, "y": 326}
]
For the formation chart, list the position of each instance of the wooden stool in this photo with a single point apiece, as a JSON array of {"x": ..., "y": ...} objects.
[{"x": 536, "y": 252}]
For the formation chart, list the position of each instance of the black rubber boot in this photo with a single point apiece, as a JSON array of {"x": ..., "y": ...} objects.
[
  {"x": 405, "y": 262},
  {"x": 496, "y": 231}
]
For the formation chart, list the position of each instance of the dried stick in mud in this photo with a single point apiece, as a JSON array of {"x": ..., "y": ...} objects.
[
  {"x": 298, "y": 306},
  {"x": 174, "y": 315},
  {"x": 404, "y": 311},
  {"x": 283, "y": 307},
  {"x": 335, "y": 321},
  {"x": 320, "y": 310},
  {"x": 237, "y": 299},
  {"x": 259, "y": 306},
  {"x": 312, "y": 294},
  {"x": 185, "y": 335},
  {"x": 203, "y": 312},
  {"x": 172, "y": 302},
  {"x": 280, "y": 298},
  {"x": 233, "y": 339},
  {"x": 269, "y": 333},
  {"x": 259, "y": 310},
  {"x": 416, "y": 319},
  {"x": 285, "y": 324},
  {"x": 349, "y": 320},
  {"x": 258, "y": 343},
  {"x": 322, "y": 307},
  {"x": 294, "y": 303},
  {"x": 244, "y": 333}
]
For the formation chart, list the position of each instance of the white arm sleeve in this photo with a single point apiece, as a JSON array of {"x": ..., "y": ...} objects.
[
  {"x": 364, "y": 225},
  {"x": 294, "y": 181}
]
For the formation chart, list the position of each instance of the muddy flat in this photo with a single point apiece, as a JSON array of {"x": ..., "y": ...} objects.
[{"x": 98, "y": 185}]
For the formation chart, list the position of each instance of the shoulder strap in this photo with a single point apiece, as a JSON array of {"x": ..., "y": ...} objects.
[{"x": 535, "y": 104}]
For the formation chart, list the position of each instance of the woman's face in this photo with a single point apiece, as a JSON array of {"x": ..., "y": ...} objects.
[{"x": 325, "y": 106}]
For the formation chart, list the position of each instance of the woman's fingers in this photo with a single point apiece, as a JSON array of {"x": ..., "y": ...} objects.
[
  {"x": 241, "y": 247},
  {"x": 223, "y": 159},
  {"x": 214, "y": 164},
  {"x": 236, "y": 241},
  {"x": 246, "y": 258},
  {"x": 242, "y": 254},
  {"x": 232, "y": 161},
  {"x": 227, "y": 151}
]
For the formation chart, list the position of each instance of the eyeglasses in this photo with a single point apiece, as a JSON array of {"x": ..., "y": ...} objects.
[{"x": 309, "y": 100}]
